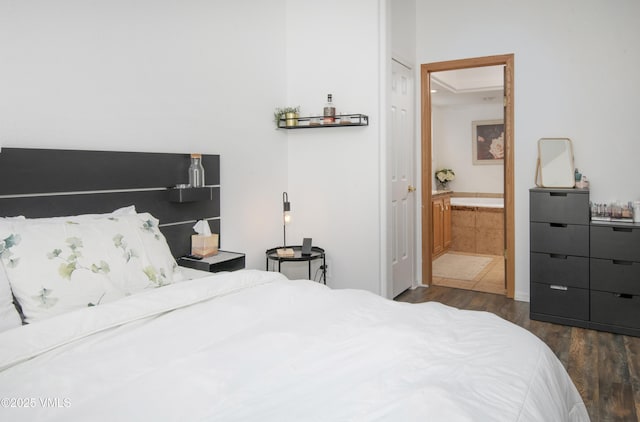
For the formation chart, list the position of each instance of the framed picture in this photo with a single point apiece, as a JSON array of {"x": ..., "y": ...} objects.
[{"x": 488, "y": 141}]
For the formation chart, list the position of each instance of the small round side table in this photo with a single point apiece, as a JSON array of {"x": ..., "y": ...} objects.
[{"x": 316, "y": 253}]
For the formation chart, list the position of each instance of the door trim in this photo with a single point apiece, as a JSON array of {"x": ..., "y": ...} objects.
[{"x": 426, "y": 173}]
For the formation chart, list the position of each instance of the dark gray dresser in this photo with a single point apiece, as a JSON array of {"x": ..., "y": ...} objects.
[
  {"x": 582, "y": 273},
  {"x": 559, "y": 236},
  {"x": 615, "y": 277}
]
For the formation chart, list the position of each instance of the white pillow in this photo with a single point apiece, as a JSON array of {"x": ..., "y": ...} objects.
[
  {"x": 9, "y": 317},
  {"x": 64, "y": 263}
]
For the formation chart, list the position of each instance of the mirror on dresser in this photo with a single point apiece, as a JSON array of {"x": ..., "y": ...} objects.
[{"x": 555, "y": 168}]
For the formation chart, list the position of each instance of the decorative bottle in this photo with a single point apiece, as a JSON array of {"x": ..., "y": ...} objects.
[
  {"x": 329, "y": 111},
  {"x": 196, "y": 171}
]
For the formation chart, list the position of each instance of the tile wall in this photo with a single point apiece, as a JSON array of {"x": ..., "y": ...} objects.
[{"x": 477, "y": 230}]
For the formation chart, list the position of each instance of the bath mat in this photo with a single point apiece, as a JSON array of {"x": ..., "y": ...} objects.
[{"x": 460, "y": 267}]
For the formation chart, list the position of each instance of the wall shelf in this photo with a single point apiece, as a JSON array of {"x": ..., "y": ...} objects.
[
  {"x": 316, "y": 122},
  {"x": 191, "y": 194}
]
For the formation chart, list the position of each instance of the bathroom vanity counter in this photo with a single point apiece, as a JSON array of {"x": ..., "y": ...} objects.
[
  {"x": 437, "y": 193},
  {"x": 441, "y": 209}
]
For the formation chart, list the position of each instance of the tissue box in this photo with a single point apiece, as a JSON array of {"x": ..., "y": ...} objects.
[{"x": 204, "y": 245}]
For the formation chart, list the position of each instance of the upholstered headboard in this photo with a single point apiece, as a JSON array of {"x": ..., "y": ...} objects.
[{"x": 50, "y": 183}]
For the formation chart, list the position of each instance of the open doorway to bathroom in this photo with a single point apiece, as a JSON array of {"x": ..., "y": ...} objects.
[{"x": 467, "y": 126}]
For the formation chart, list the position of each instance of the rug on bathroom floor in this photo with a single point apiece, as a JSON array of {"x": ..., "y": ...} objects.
[{"x": 460, "y": 267}]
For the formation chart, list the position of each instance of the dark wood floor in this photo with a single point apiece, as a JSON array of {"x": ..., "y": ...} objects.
[{"x": 605, "y": 367}]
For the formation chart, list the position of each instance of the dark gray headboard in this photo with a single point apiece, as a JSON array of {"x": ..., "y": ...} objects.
[{"x": 51, "y": 183}]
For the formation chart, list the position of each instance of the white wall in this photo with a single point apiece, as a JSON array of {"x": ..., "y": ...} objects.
[
  {"x": 453, "y": 147},
  {"x": 402, "y": 31},
  {"x": 167, "y": 76},
  {"x": 184, "y": 76},
  {"x": 334, "y": 173},
  {"x": 576, "y": 65}
]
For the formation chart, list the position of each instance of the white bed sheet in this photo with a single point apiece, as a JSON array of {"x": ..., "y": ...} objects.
[
  {"x": 253, "y": 346},
  {"x": 192, "y": 274}
]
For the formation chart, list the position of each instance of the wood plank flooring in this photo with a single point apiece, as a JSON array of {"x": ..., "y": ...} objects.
[{"x": 604, "y": 367}]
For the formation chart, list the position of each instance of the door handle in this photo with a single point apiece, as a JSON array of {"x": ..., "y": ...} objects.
[{"x": 411, "y": 188}]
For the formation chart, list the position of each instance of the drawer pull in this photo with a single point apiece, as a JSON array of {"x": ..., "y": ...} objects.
[
  {"x": 557, "y": 225},
  {"x": 556, "y": 287},
  {"x": 622, "y": 229},
  {"x": 619, "y": 262},
  {"x": 557, "y": 194},
  {"x": 624, "y": 295},
  {"x": 557, "y": 256}
]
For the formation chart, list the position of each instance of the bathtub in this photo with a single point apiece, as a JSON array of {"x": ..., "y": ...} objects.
[
  {"x": 477, "y": 225},
  {"x": 467, "y": 201}
]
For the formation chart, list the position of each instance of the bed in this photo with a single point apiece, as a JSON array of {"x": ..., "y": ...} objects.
[{"x": 131, "y": 336}]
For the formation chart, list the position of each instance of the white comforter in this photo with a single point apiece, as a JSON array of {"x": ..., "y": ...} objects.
[{"x": 253, "y": 346}]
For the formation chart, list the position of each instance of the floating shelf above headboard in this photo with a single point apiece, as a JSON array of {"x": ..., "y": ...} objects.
[{"x": 49, "y": 183}]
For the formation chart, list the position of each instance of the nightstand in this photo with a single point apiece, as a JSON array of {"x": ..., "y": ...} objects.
[
  {"x": 316, "y": 254},
  {"x": 222, "y": 261}
]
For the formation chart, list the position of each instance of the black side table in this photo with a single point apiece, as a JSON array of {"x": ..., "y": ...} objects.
[
  {"x": 222, "y": 261},
  {"x": 316, "y": 253}
]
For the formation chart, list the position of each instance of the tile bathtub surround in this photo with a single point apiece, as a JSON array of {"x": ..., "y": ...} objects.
[
  {"x": 477, "y": 230},
  {"x": 490, "y": 229},
  {"x": 463, "y": 229}
]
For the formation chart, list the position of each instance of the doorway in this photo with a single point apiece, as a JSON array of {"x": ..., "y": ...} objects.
[{"x": 427, "y": 214}]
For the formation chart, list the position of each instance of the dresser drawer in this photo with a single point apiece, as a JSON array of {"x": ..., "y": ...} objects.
[
  {"x": 559, "y": 206},
  {"x": 614, "y": 242},
  {"x": 564, "y": 270},
  {"x": 610, "y": 275},
  {"x": 561, "y": 301},
  {"x": 615, "y": 309},
  {"x": 562, "y": 239}
]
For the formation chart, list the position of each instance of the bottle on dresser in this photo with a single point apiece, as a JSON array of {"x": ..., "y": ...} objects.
[{"x": 329, "y": 111}]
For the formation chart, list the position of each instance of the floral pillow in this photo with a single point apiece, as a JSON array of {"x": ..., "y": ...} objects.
[
  {"x": 58, "y": 265},
  {"x": 157, "y": 249},
  {"x": 152, "y": 253},
  {"x": 9, "y": 317},
  {"x": 128, "y": 210}
]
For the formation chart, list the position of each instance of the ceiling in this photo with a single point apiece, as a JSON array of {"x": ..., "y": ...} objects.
[{"x": 478, "y": 85}]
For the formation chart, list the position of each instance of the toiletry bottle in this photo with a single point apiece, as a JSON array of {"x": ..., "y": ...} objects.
[
  {"x": 196, "y": 171},
  {"x": 329, "y": 110},
  {"x": 578, "y": 177}
]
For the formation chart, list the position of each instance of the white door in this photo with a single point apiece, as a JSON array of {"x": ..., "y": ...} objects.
[{"x": 402, "y": 178}]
